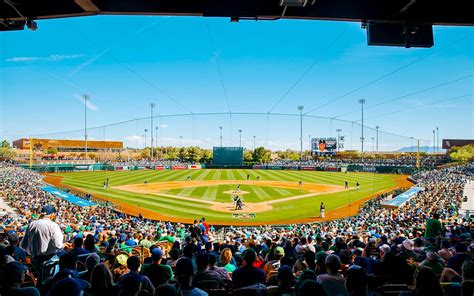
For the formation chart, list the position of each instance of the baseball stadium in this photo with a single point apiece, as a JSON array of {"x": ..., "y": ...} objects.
[{"x": 236, "y": 148}]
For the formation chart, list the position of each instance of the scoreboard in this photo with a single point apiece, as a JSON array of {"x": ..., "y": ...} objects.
[{"x": 323, "y": 146}]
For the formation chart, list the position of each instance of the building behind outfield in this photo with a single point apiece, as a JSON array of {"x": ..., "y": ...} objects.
[{"x": 68, "y": 145}]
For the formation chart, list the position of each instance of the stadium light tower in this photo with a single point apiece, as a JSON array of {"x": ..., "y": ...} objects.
[
  {"x": 373, "y": 144},
  {"x": 220, "y": 127},
  {"x": 309, "y": 139},
  {"x": 377, "y": 138},
  {"x": 437, "y": 139},
  {"x": 146, "y": 130},
  {"x": 152, "y": 105},
  {"x": 362, "y": 102},
  {"x": 86, "y": 98},
  {"x": 180, "y": 141},
  {"x": 156, "y": 137},
  {"x": 300, "y": 108},
  {"x": 338, "y": 138},
  {"x": 434, "y": 141},
  {"x": 253, "y": 142},
  {"x": 240, "y": 138}
]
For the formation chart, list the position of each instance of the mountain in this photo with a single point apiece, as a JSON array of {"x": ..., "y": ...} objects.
[{"x": 427, "y": 149}]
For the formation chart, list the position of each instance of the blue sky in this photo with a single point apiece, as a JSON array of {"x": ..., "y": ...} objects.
[{"x": 126, "y": 62}]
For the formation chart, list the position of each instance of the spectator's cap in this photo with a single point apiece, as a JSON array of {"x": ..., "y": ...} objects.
[
  {"x": 68, "y": 286},
  {"x": 184, "y": 267},
  {"x": 471, "y": 247},
  {"x": 12, "y": 237},
  {"x": 121, "y": 259},
  {"x": 357, "y": 251},
  {"x": 48, "y": 210},
  {"x": 92, "y": 260},
  {"x": 332, "y": 259},
  {"x": 285, "y": 273},
  {"x": 156, "y": 254},
  {"x": 385, "y": 249},
  {"x": 408, "y": 244},
  {"x": 279, "y": 251}
]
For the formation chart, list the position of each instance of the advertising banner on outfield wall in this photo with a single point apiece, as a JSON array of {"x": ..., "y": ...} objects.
[
  {"x": 332, "y": 169},
  {"x": 194, "y": 167},
  {"x": 259, "y": 167},
  {"x": 160, "y": 167},
  {"x": 275, "y": 167},
  {"x": 291, "y": 168},
  {"x": 178, "y": 167},
  {"x": 307, "y": 168}
]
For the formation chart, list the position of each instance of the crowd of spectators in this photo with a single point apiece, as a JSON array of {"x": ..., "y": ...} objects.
[
  {"x": 428, "y": 161},
  {"x": 150, "y": 162},
  {"x": 51, "y": 247}
]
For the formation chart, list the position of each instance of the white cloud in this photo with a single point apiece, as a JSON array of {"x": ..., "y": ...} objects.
[
  {"x": 163, "y": 125},
  {"x": 89, "y": 104},
  {"x": 133, "y": 138},
  {"x": 50, "y": 58}
]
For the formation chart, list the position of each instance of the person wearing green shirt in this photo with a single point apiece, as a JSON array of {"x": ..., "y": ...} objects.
[
  {"x": 158, "y": 273},
  {"x": 146, "y": 242},
  {"x": 433, "y": 226}
]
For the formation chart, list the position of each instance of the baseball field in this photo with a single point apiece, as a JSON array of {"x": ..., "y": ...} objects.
[{"x": 269, "y": 197}]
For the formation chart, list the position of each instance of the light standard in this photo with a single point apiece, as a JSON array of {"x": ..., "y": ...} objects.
[
  {"x": 156, "y": 137},
  {"x": 253, "y": 142},
  {"x": 86, "y": 98},
  {"x": 362, "y": 102},
  {"x": 434, "y": 141},
  {"x": 300, "y": 108},
  {"x": 180, "y": 141},
  {"x": 144, "y": 146},
  {"x": 309, "y": 139},
  {"x": 377, "y": 137},
  {"x": 373, "y": 144},
  {"x": 338, "y": 138},
  {"x": 152, "y": 105},
  {"x": 220, "y": 127},
  {"x": 240, "y": 138},
  {"x": 437, "y": 139}
]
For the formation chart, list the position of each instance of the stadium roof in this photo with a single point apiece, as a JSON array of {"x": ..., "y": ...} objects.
[{"x": 15, "y": 14}]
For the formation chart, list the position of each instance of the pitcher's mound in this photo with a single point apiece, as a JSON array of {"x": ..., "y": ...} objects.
[
  {"x": 248, "y": 208},
  {"x": 236, "y": 192}
]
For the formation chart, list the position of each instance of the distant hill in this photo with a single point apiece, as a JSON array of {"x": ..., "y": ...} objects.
[{"x": 427, "y": 149}]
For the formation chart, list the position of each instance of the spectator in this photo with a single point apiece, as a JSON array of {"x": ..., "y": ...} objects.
[
  {"x": 426, "y": 283},
  {"x": 158, "y": 273},
  {"x": 333, "y": 282},
  {"x": 285, "y": 282},
  {"x": 226, "y": 257},
  {"x": 433, "y": 226},
  {"x": 310, "y": 288},
  {"x": 468, "y": 277},
  {"x": 68, "y": 286},
  {"x": 12, "y": 278},
  {"x": 457, "y": 260},
  {"x": 184, "y": 275},
  {"x": 43, "y": 238},
  {"x": 205, "y": 278},
  {"x": 248, "y": 275},
  {"x": 102, "y": 282},
  {"x": 129, "y": 279}
]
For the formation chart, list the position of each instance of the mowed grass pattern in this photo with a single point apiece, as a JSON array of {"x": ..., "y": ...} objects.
[
  {"x": 177, "y": 208},
  {"x": 254, "y": 193}
]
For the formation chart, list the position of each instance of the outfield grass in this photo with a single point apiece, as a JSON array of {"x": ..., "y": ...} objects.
[
  {"x": 178, "y": 208},
  {"x": 255, "y": 193}
]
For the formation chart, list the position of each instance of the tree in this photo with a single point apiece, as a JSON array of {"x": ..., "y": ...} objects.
[
  {"x": 145, "y": 153},
  {"x": 183, "y": 153},
  {"x": 206, "y": 156},
  {"x": 462, "y": 154},
  {"x": 52, "y": 150},
  {"x": 7, "y": 153},
  {"x": 194, "y": 154},
  {"x": 6, "y": 144},
  {"x": 261, "y": 155},
  {"x": 248, "y": 155}
]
